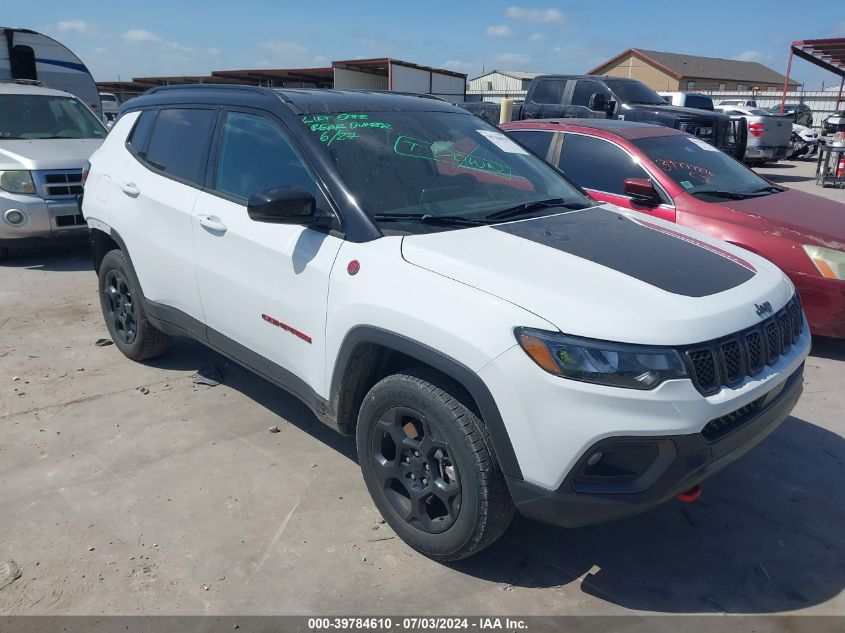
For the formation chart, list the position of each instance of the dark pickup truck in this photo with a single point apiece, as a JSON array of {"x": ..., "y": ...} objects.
[{"x": 586, "y": 96}]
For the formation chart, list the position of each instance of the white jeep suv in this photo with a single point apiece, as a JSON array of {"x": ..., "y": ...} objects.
[{"x": 495, "y": 339}]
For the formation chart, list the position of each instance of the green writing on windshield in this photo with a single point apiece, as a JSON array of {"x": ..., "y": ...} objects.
[
  {"x": 445, "y": 153},
  {"x": 341, "y": 127}
]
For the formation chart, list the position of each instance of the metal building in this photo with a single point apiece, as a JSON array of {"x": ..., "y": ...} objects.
[{"x": 499, "y": 84}]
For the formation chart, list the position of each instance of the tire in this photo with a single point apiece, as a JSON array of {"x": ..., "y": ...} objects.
[
  {"x": 123, "y": 312},
  {"x": 430, "y": 467}
]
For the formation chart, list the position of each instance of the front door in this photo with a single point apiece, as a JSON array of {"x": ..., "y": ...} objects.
[{"x": 264, "y": 286}]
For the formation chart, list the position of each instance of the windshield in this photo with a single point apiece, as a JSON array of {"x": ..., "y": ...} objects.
[
  {"x": 787, "y": 107},
  {"x": 633, "y": 91},
  {"x": 436, "y": 165},
  {"x": 757, "y": 112},
  {"x": 700, "y": 168},
  {"x": 25, "y": 116}
]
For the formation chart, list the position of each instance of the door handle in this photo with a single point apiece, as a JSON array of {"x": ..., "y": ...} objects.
[
  {"x": 212, "y": 223},
  {"x": 130, "y": 189}
]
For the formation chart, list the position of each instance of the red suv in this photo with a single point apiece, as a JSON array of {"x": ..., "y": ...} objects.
[{"x": 678, "y": 177}]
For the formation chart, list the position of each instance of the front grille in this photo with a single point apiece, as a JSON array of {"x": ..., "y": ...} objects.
[
  {"x": 718, "y": 428},
  {"x": 58, "y": 184},
  {"x": 728, "y": 361}
]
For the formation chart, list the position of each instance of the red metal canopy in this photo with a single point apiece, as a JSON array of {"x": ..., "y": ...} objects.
[{"x": 828, "y": 54}]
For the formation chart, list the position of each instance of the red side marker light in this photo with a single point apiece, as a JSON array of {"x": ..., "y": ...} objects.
[
  {"x": 353, "y": 267},
  {"x": 690, "y": 495}
]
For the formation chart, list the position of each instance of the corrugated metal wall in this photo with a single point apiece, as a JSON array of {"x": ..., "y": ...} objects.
[
  {"x": 822, "y": 103},
  {"x": 448, "y": 86},
  {"x": 495, "y": 82},
  {"x": 406, "y": 79},
  {"x": 345, "y": 79}
]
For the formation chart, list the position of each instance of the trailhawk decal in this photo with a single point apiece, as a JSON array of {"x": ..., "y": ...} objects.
[
  {"x": 286, "y": 328},
  {"x": 656, "y": 255}
]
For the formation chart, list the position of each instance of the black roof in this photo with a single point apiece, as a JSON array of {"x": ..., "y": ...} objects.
[{"x": 301, "y": 101}]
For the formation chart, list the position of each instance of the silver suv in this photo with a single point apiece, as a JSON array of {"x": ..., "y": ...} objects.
[{"x": 46, "y": 138}]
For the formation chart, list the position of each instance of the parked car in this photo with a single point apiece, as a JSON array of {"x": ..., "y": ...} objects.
[
  {"x": 600, "y": 97},
  {"x": 110, "y": 106},
  {"x": 769, "y": 136},
  {"x": 46, "y": 136},
  {"x": 800, "y": 113},
  {"x": 834, "y": 123},
  {"x": 805, "y": 141},
  {"x": 673, "y": 176},
  {"x": 688, "y": 99},
  {"x": 746, "y": 103},
  {"x": 409, "y": 272}
]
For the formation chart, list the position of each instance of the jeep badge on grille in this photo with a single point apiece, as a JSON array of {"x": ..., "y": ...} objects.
[{"x": 763, "y": 308}]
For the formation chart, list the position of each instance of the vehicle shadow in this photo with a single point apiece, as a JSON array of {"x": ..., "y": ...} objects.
[
  {"x": 830, "y": 348},
  {"x": 186, "y": 355},
  {"x": 788, "y": 178},
  {"x": 64, "y": 257},
  {"x": 766, "y": 536}
]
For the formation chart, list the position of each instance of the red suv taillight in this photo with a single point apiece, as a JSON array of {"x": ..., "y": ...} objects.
[
  {"x": 756, "y": 129},
  {"x": 85, "y": 171}
]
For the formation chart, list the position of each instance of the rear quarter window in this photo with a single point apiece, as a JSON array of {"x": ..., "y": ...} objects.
[
  {"x": 179, "y": 142},
  {"x": 536, "y": 141},
  {"x": 140, "y": 134}
]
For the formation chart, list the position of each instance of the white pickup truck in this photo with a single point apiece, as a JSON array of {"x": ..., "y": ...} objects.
[{"x": 769, "y": 135}]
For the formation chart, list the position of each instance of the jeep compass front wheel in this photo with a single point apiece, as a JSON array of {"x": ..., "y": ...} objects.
[{"x": 430, "y": 467}]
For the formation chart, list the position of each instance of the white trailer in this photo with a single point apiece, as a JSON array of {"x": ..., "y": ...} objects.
[{"x": 30, "y": 56}]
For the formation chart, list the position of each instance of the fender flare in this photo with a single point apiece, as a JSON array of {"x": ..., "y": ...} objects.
[{"x": 446, "y": 365}]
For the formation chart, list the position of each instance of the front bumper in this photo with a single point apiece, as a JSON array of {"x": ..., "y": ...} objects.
[
  {"x": 682, "y": 461},
  {"x": 823, "y": 301},
  {"x": 42, "y": 218}
]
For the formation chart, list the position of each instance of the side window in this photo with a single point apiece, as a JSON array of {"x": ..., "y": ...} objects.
[
  {"x": 179, "y": 143},
  {"x": 140, "y": 134},
  {"x": 255, "y": 154},
  {"x": 597, "y": 164},
  {"x": 586, "y": 89},
  {"x": 22, "y": 62},
  {"x": 536, "y": 141},
  {"x": 549, "y": 91}
]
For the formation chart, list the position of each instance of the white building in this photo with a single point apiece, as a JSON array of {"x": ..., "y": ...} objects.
[{"x": 499, "y": 84}]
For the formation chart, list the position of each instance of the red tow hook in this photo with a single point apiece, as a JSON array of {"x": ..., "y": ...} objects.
[{"x": 690, "y": 495}]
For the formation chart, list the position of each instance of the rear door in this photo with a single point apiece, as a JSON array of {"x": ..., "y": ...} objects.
[
  {"x": 264, "y": 286},
  {"x": 601, "y": 167},
  {"x": 158, "y": 188}
]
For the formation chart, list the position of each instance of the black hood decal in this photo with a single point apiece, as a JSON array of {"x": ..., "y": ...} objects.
[{"x": 652, "y": 253}]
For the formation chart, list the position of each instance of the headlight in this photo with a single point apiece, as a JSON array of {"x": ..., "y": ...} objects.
[
  {"x": 16, "y": 182},
  {"x": 831, "y": 263},
  {"x": 600, "y": 362}
]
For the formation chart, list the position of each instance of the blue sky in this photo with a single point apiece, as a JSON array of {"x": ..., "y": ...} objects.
[{"x": 160, "y": 37}]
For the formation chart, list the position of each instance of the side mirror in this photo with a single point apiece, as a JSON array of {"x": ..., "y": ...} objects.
[
  {"x": 641, "y": 191},
  {"x": 597, "y": 102},
  {"x": 282, "y": 205}
]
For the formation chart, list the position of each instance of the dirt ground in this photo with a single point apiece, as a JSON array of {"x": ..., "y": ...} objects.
[{"x": 126, "y": 488}]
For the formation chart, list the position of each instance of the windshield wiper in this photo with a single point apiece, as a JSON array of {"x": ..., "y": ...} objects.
[
  {"x": 733, "y": 195},
  {"x": 769, "y": 189},
  {"x": 529, "y": 207},
  {"x": 427, "y": 218}
]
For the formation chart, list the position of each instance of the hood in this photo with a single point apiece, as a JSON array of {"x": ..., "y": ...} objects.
[
  {"x": 681, "y": 112},
  {"x": 609, "y": 274},
  {"x": 806, "y": 217},
  {"x": 37, "y": 154}
]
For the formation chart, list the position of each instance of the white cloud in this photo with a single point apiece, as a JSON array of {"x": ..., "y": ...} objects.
[
  {"x": 80, "y": 27},
  {"x": 513, "y": 59},
  {"x": 499, "y": 30},
  {"x": 461, "y": 66},
  {"x": 752, "y": 56},
  {"x": 536, "y": 37},
  {"x": 140, "y": 36},
  {"x": 535, "y": 15}
]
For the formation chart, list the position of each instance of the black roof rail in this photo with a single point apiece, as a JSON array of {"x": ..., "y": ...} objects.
[
  {"x": 244, "y": 87},
  {"x": 421, "y": 95}
]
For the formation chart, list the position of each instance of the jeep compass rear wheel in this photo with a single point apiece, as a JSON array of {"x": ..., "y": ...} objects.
[
  {"x": 430, "y": 467},
  {"x": 120, "y": 299}
]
